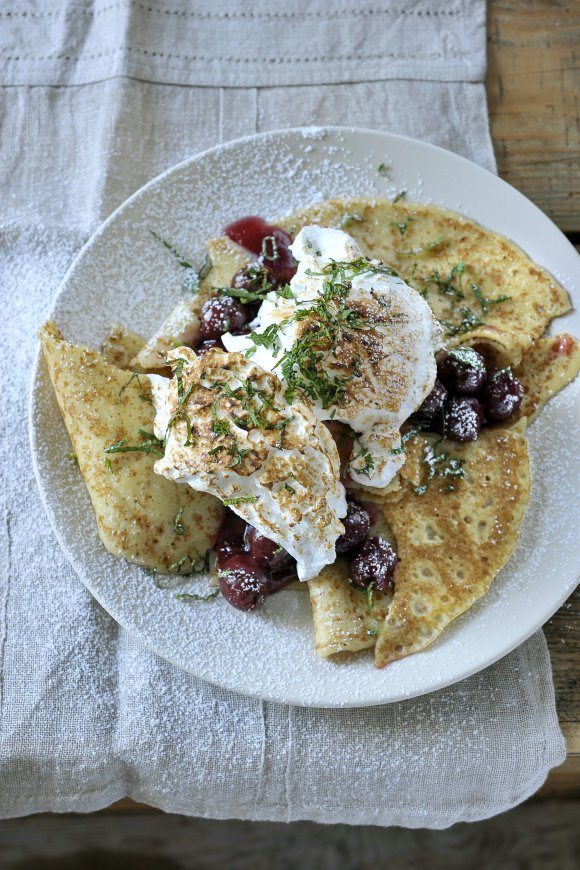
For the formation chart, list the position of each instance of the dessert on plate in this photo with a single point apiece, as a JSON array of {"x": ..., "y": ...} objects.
[{"x": 338, "y": 404}]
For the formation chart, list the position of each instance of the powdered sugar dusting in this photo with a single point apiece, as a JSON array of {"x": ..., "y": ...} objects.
[{"x": 138, "y": 283}]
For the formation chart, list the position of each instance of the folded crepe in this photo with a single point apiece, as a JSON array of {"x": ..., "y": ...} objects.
[
  {"x": 451, "y": 543},
  {"x": 140, "y": 515}
]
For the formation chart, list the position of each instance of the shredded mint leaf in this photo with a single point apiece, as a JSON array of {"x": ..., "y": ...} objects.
[
  {"x": 440, "y": 465},
  {"x": 269, "y": 248},
  {"x": 149, "y": 444},
  {"x": 402, "y": 226},
  {"x": 178, "y": 526},
  {"x": 468, "y": 322},
  {"x": 134, "y": 376},
  {"x": 197, "y": 563},
  {"x": 486, "y": 301},
  {"x": 430, "y": 246},
  {"x": 241, "y": 499},
  {"x": 193, "y": 596},
  {"x": 193, "y": 276}
]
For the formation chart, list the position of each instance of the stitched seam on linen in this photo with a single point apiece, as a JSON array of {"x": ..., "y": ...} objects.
[
  {"x": 234, "y": 16},
  {"x": 213, "y": 59}
]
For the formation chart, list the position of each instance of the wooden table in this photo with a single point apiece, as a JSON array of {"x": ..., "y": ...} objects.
[{"x": 533, "y": 87}]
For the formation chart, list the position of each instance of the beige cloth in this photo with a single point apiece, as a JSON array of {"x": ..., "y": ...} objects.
[{"x": 88, "y": 715}]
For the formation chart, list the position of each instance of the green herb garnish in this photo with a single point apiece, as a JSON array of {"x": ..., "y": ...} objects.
[
  {"x": 395, "y": 451},
  {"x": 402, "y": 227},
  {"x": 149, "y": 444},
  {"x": 430, "y": 246},
  {"x": 178, "y": 526},
  {"x": 368, "y": 460},
  {"x": 269, "y": 248},
  {"x": 241, "y": 499},
  {"x": 198, "y": 563},
  {"x": 486, "y": 301},
  {"x": 468, "y": 322},
  {"x": 382, "y": 169},
  {"x": 441, "y": 465},
  {"x": 193, "y": 276},
  {"x": 372, "y": 632},
  {"x": 193, "y": 596},
  {"x": 401, "y": 195},
  {"x": 134, "y": 376}
]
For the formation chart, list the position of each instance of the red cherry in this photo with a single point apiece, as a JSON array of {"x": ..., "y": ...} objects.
[{"x": 243, "y": 583}]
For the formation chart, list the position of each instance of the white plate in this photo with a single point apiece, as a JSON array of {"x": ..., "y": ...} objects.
[{"x": 122, "y": 274}]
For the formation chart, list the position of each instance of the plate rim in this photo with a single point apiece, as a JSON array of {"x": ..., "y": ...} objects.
[{"x": 33, "y": 431}]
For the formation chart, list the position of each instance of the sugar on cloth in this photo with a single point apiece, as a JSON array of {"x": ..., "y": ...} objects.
[{"x": 97, "y": 100}]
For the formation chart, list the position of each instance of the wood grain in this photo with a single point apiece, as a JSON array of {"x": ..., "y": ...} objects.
[
  {"x": 536, "y": 835},
  {"x": 533, "y": 89}
]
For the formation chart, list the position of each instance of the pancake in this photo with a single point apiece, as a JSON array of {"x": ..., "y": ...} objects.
[
  {"x": 345, "y": 619},
  {"x": 452, "y": 544},
  {"x": 140, "y": 516},
  {"x": 547, "y": 367},
  {"x": 462, "y": 269},
  {"x": 120, "y": 346}
]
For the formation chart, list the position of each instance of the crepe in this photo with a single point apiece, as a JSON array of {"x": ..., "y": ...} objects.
[
  {"x": 140, "y": 516},
  {"x": 120, "y": 346},
  {"x": 426, "y": 243},
  {"x": 452, "y": 544},
  {"x": 346, "y": 619},
  {"x": 461, "y": 268},
  {"x": 547, "y": 367}
]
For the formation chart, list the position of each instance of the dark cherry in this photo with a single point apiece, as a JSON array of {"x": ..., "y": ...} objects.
[
  {"x": 210, "y": 344},
  {"x": 271, "y": 243},
  {"x": 249, "y": 232},
  {"x": 231, "y": 531},
  {"x": 243, "y": 583},
  {"x": 463, "y": 418},
  {"x": 462, "y": 370},
  {"x": 502, "y": 395},
  {"x": 254, "y": 278},
  {"x": 374, "y": 564},
  {"x": 357, "y": 524},
  {"x": 369, "y": 506},
  {"x": 284, "y": 575},
  {"x": 225, "y": 552},
  {"x": 265, "y": 551},
  {"x": 277, "y": 257},
  {"x": 221, "y": 314},
  {"x": 433, "y": 405},
  {"x": 245, "y": 330}
]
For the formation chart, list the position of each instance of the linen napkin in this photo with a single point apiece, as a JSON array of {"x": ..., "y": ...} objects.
[{"x": 96, "y": 99}]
